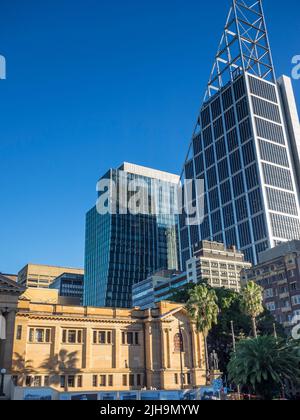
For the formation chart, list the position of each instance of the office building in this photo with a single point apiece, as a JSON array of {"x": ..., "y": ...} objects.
[
  {"x": 69, "y": 285},
  {"x": 13, "y": 277},
  {"x": 77, "y": 349},
  {"x": 156, "y": 288},
  {"x": 217, "y": 265},
  {"x": 278, "y": 273},
  {"x": 41, "y": 276},
  {"x": 125, "y": 247},
  {"x": 245, "y": 145}
]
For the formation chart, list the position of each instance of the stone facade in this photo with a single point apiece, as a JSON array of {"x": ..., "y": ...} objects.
[
  {"x": 220, "y": 266},
  {"x": 278, "y": 273},
  {"x": 42, "y": 276},
  {"x": 9, "y": 295},
  {"x": 73, "y": 348}
]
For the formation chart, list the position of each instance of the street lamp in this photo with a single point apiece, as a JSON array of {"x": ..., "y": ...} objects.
[{"x": 2, "y": 373}]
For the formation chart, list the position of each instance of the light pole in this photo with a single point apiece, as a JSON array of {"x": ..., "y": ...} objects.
[
  {"x": 2, "y": 373},
  {"x": 234, "y": 351}
]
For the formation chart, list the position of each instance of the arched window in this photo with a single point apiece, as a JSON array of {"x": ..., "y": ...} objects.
[{"x": 178, "y": 343}]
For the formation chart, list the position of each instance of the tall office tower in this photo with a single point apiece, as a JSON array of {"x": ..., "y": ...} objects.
[
  {"x": 125, "y": 247},
  {"x": 246, "y": 144}
]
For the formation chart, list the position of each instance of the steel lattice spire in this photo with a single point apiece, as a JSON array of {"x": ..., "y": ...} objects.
[{"x": 244, "y": 46}]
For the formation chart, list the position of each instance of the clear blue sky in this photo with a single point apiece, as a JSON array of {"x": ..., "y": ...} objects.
[{"x": 92, "y": 83}]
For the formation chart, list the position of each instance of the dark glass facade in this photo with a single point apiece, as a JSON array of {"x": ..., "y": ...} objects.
[
  {"x": 69, "y": 285},
  {"x": 124, "y": 249},
  {"x": 242, "y": 151}
]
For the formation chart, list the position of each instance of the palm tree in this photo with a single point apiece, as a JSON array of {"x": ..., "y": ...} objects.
[
  {"x": 22, "y": 366},
  {"x": 61, "y": 364},
  {"x": 203, "y": 309},
  {"x": 252, "y": 303},
  {"x": 265, "y": 364}
]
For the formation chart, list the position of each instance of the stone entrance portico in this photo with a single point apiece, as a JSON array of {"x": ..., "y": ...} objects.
[{"x": 10, "y": 292}]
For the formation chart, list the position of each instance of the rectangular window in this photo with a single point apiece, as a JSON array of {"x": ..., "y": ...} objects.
[
  {"x": 46, "y": 381},
  {"x": 138, "y": 380},
  {"x": 131, "y": 380},
  {"x": 124, "y": 380},
  {"x": 37, "y": 381},
  {"x": 130, "y": 338},
  {"x": 188, "y": 379},
  {"x": 39, "y": 335},
  {"x": 102, "y": 380},
  {"x": 72, "y": 337},
  {"x": 62, "y": 381},
  {"x": 296, "y": 300},
  {"x": 31, "y": 335},
  {"x": 28, "y": 381},
  {"x": 176, "y": 380},
  {"x": 95, "y": 381},
  {"x": 71, "y": 381},
  {"x": 19, "y": 332},
  {"x": 48, "y": 336},
  {"x": 110, "y": 380},
  {"x": 79, "y": 381},
  {"x": 102, "y": 337}
]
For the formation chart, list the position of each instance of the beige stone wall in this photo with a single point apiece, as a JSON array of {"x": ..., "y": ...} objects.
[
  {"x": 34, "y": 275},
  {"x": 153, "y": 362}
]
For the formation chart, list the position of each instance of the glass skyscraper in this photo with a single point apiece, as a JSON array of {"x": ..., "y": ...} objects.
[
  {"x": 123, "y": 248},
  {"x": 245, "y": 145}
]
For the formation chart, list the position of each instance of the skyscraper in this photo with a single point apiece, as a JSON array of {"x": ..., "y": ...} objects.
[
  {"x": 123, "y": 247},
  {"x": 246, "y": 144}
]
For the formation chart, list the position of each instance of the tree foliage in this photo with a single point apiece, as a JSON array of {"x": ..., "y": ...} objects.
[
  {"x": 265, "y": 365},
  {"x": 203, "y": 307}
]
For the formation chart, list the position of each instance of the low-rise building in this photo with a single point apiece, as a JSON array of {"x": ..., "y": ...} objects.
[
  {"x": 83, "y": 349},
  {"x": 218, "y": 265},
  {"x": 13, "y": 277},
  {"x": 212, "y": 262},
  {"x": 160, "y": 286},
  {"x": 278, "y": 272},
  {"x": 42, "y": 276},
  {"x": 70, "y": 285}
]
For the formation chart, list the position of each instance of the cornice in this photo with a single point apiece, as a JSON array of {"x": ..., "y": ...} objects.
[{"x": 58, "y": 317}]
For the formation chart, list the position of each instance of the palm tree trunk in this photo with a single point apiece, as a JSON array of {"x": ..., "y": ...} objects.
[{"x": 254, "y": 327}]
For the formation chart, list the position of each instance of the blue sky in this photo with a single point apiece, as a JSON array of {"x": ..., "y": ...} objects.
[{"x": 93, "y": 83}]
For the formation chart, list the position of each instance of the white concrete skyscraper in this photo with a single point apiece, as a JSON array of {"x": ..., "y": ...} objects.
[{"x": 246, "y": 144}]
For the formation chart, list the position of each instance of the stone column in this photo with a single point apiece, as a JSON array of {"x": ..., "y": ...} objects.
[
  {"x": 117, "y": 344},
  {"x": 164, "y": 350},
  {"x": 87, "y": 350},
  {"x": 195, "y": 349},
  {"x": 168, "y": 344}
]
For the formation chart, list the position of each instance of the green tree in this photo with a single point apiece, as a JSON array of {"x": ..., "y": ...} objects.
[
  {"x": 264, "y": 365},
  {"x": 182, "y": 294},
  {"x": 252, "y": 303},
  {"x": 220, "y": 336},
  {"x": 203, "y": 309}
]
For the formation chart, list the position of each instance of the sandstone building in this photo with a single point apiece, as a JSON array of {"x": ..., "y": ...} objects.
[{"x": 73, "y": 348}]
